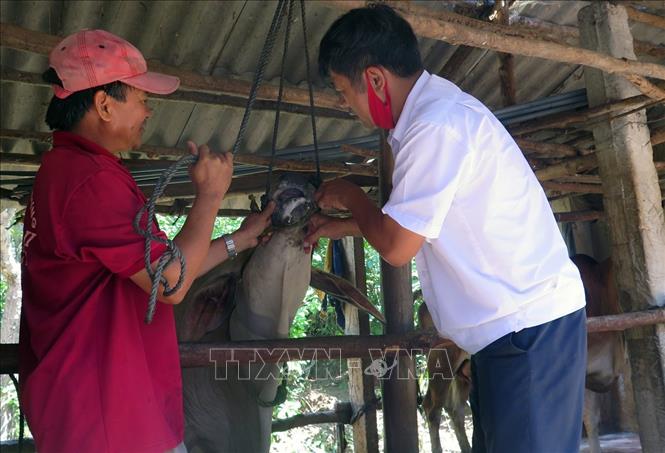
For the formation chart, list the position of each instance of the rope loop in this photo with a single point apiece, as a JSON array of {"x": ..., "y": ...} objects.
[{"x": 172, "y": 251}]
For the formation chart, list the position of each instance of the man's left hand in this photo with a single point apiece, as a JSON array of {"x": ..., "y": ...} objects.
[{"x": 249, "y": 233}]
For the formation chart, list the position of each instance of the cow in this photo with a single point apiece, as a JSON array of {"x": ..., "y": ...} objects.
[
  {"x": 228, "y": 407},
  {"x": 448, "y": 387},
  {"x": 606, "y": 353},
  {"x": 605, "y": 360}
]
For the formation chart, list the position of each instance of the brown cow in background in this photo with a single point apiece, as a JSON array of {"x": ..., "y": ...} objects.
[
  {"x": 605, "y": 350},
  {"x": 449, "y": 384},
  {"x": 606, "y": 356}
]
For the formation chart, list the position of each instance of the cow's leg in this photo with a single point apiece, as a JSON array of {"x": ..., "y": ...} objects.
[
  {"x": 591, "y": 420},
  {"x": 456, "y": 415},
  {"x": 455, "y": 404},
  {"x": 433, "y": 416}
]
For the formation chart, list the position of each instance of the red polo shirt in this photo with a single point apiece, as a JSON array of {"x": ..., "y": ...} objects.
[{"x": 94, "y": 376}]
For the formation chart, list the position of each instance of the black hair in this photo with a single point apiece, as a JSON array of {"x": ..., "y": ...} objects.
[
  {"x": 64, "y": 114},
  {"x": 372, "y": 36}
]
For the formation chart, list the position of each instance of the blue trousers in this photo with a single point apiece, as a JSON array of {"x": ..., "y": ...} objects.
[{"x": 527, "y": 392}]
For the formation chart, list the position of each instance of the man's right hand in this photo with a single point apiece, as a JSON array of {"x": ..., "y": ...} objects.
[
  {"x": 330, "y": 227},
  {"x": 212, "y": 172}
]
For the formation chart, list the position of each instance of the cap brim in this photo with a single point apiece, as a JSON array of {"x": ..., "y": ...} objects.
[
  {"x": 60, "y": 92},
  {"x": 154, "y": 82}
]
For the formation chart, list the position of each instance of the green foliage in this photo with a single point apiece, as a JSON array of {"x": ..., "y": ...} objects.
[
  {"x": 172, "y": 225},
  {"x": 9, "y": 399},
  {"x": 8, "y": 395}
]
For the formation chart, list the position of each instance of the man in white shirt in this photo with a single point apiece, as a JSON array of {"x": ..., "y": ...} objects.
[{"x": 493, "y": 266}]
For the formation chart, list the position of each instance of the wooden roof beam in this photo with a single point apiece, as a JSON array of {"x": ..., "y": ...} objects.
[
  {"x": 460, "y": 30},
  {"x": 247, "y": 158},
  {"x": 650, "y": 19},
  {"x": 569, "y": 35},
  {"x": 196, "y": 97},
  {"x": 18, "y": 38}
]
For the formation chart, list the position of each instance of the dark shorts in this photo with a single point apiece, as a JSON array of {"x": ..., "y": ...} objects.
[{"x": 527, "y": 394}]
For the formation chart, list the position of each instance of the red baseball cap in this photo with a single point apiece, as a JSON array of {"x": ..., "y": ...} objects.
[{"x": 91, "y": 58}]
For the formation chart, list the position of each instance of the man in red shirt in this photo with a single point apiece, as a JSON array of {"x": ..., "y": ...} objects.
[{"x": 94, "y": 375}]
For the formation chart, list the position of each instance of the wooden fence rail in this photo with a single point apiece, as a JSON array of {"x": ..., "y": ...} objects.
[{"x": 325, "y": 348}]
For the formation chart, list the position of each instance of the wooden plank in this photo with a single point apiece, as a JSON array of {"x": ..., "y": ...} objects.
[{"x": 361, "y": 384}]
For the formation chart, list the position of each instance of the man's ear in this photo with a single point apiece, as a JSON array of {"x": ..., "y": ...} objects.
[
  {"x": 377, "y": 78},
  {"x": 102, "y": 104}
]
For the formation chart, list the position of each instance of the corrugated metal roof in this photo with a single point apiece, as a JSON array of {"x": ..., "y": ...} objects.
[{"x": 225, "y": 39}]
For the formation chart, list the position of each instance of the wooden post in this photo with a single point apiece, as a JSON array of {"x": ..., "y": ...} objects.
[
  {"x": 361, "y": 385},
  {"x": 634, "y": 213},
  {"x": 507, "y": 60},
  {"x": 399, "y": 388},
  {"x": 341, "y": 438}
]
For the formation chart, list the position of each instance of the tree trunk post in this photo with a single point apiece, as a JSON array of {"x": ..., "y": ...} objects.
[
  {"x": 399, "y": 384},
  {"x": 634, "y": 213}
]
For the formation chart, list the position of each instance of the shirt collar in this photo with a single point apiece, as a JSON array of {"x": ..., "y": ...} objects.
[
  {"x": 70, "y": 139},
  {"x": 403, "y": 122}
]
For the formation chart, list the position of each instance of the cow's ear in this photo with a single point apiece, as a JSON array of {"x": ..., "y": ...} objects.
[
  {"x": 342, "y": 289},
  {"x": 208, "y": 311}
]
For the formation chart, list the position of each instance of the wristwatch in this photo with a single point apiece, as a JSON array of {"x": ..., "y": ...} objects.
[{"x": 230, "y": 246}]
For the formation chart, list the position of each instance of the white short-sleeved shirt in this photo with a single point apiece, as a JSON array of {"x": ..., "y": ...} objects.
[{"x": 493, "y": 260}]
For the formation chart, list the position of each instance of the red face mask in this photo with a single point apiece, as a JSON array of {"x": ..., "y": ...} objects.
[{"x": 382, "y": 114}]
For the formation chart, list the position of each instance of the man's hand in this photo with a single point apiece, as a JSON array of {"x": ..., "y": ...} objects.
[
  {"x": 212, "y": 173},
  {"x": 247, "y": 236},
  {"x": 336, "y": 194},
  {"x": 330, "y": 227}
]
